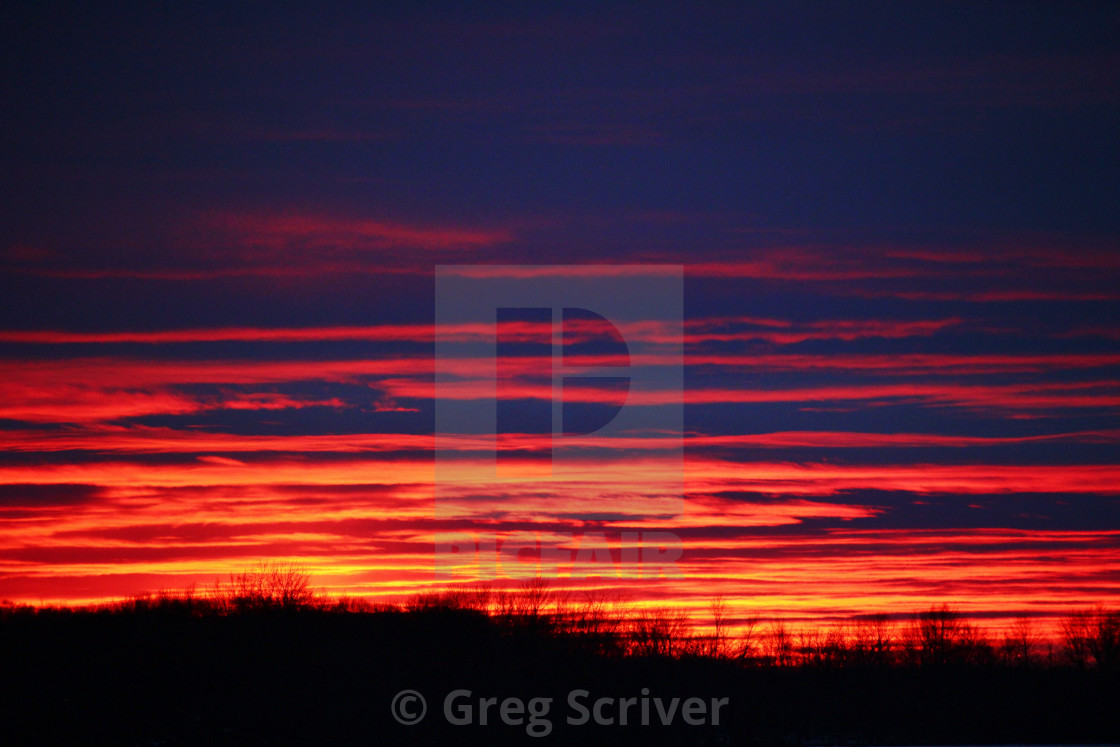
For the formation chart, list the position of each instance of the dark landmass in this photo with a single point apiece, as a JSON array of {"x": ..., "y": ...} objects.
[{"x": 179, "y": 671}]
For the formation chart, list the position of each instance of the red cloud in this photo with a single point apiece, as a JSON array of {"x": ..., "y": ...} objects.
[{"x": 304, "y": 231}]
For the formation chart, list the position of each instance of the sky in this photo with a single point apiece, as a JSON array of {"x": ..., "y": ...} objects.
[{"x": 895, "y": 226}]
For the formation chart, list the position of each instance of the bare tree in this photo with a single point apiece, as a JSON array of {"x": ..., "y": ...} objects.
[
  {"x": 270, "y": 585},
  {"x": 747, "y": 645},
  {"x": 661, "y": 632},
  {"x": 475, "y": 597},
  {"x": 1076, "y": 630},
  {"x": 534, "y": 596},
  {"x": 604, "y": 620},
  {"x": 1092, "y": 637},
  {"x": 809, "y": 645},
  {"x": 874, "y": 640},
  {"x": 939, "y": 636},
  {"x": 1020, "y": 642},
  {"x": 779, "y": 644},
  {"x": 717, "y": 646}
]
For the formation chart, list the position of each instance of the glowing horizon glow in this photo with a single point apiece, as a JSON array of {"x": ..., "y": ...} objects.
[{"x": 136, "y": 511}]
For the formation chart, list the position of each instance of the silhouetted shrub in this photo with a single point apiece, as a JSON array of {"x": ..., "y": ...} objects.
[
  {"x": 1020, "y": 644},
  {"x": 940, "y": 637},
  {"x": 662, "y": 632},
  {"x": 1092, "y": 637},
  {"x": 778, "y": 644},
  {"x": 268, "y": 586},
  {"x": 873, "y": 641}
]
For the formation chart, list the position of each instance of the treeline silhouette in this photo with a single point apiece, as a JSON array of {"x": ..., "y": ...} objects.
[
  {"x": 262, "y": 658},
  {"x": 609, "y": 625},
  {"x": 938, "y": 636}
]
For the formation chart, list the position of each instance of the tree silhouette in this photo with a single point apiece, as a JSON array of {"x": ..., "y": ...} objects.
[
  {"x": 746, "y": 646},
  {"x": 661, "y": 632},
  {"x": 267, "y": 586},
  {"x": 718, "y": 645},
  {"x": 939, "y": 637},
  {"x": 1020, "y": 643},
  {"x": 873, "y": 641},
  {"x": 1092, "y": 637},
  {"x": 779, "y": 644}
]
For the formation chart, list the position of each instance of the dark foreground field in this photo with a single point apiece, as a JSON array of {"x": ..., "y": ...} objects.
[{"x": 169, "y": 675}]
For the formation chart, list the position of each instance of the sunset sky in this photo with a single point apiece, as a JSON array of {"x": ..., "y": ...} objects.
[{"x": 897, "y": 223}]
